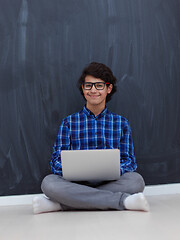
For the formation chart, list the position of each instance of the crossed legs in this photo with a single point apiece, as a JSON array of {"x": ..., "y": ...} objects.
[{"x": 125, "y": 193}]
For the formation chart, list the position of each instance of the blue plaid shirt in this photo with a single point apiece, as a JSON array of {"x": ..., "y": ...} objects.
[{"x": 82, "y": 130}]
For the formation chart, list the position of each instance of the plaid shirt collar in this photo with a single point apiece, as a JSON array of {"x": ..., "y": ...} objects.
[{"x": 90, "y": 114}]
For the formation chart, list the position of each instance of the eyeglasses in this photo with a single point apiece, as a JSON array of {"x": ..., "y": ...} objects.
[{"x": 98, "y": 85}]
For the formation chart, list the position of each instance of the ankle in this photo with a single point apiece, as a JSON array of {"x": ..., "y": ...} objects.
[
  {"x": 42, "y": 204},
  {"x": 136, "y": 202}
]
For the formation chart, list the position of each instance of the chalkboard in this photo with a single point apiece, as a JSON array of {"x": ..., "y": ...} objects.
[{"x": 44, "y": 46}]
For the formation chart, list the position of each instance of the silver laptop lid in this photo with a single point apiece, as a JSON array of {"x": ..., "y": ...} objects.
[{"x": 91, "y": 165}]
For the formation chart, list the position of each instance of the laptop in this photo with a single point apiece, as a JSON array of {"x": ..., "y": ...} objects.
[{"x": 91, "y": 165}]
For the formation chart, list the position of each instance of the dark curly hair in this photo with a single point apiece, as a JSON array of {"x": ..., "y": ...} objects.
[{"x": 98, "y": 70}]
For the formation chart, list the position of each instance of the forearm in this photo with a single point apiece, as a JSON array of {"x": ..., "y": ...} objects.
[
  {"x": 56, "y": 167},
  {"x": 128, "y": 164},
  {"x": 128, "y": 159},
  {"x": 62, "y": 143}
]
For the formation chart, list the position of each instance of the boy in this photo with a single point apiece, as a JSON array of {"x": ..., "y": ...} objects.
[{"x": 94, "y": 127}]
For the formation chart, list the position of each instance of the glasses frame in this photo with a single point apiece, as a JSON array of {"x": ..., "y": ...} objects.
[{"x": 105, "y": 83}]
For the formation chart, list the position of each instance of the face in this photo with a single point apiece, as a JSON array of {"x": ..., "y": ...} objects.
[{"x": 94, "y": 97}]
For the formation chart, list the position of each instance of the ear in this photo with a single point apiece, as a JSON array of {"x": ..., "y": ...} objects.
[
  {"x": 82, "y": 88},
  {"x": 110, "y": 88}
]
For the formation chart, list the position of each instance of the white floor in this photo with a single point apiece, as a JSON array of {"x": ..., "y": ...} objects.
[{"x": 162, "y": 222}]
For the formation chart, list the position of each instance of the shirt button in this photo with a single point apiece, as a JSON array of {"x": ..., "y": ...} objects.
[{"x": 95, "y": 133}]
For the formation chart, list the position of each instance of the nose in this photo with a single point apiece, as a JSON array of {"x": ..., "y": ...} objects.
[{"x": 93, "y": 89}]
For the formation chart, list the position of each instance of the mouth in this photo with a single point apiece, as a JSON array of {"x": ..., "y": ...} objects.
[{"x": 93, "y": 96}]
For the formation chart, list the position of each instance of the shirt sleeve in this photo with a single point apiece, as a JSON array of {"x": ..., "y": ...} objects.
[
  {"x": 128, "y": 159},
  {"x": 62, "y": 143}
]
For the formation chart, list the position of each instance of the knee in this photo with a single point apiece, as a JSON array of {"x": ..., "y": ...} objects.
[
  {"x": 47, "y": 184},
  {"x": 136, "y": 181},
  {"x": 139, "y": 182}
]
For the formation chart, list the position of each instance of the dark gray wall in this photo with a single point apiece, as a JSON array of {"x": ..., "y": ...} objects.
[{"x": 44, "y": 45}]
